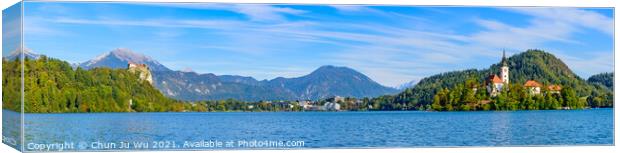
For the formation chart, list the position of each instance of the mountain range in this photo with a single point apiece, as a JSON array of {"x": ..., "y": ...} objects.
[{"x": 324, "y": 82}]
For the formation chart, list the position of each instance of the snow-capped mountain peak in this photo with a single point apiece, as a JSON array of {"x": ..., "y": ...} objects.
[
  {"x": 120, "y": 57},
  {"x": 129, "y": 55},
  {"x": 28, "y": 53}
]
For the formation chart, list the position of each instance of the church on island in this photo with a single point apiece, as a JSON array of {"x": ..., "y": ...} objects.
[{"x": 495, "y": 84}]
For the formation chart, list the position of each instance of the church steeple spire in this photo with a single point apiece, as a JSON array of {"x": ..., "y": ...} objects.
[
  {"x": 504, "y": 69},
  {"x": 504, "y": 62}
]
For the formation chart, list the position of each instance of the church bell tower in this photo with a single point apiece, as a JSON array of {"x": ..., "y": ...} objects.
[{"x": 504, "y": 69}]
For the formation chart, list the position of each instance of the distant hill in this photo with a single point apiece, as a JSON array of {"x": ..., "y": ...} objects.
[
  {"x": 193, "y": 86},
  {"x": 531, "y": 64},
  {"x": 322, "y": 83},
  {"x": 605, "y": 79},
  {"x": 328, "y": 81}
]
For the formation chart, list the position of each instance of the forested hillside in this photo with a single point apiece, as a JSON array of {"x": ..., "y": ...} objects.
[
  {"x": 605, "y": 79},
  {"x": 53, "y": 86}
]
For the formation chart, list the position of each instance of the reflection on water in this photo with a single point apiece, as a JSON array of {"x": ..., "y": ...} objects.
[{"x": 334, "y": 129}]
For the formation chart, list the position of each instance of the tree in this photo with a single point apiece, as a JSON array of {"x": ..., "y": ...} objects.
[{"x": 570, "y": 97}]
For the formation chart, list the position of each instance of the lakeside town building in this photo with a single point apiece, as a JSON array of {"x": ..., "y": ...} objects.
[{"x": 332, "y": 104}]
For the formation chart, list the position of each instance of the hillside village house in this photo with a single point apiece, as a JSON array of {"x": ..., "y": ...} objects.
[
  {"x": 532, "y": 87},
  {"x": 496, "y": 83},
  {"x": 554, "y": 89}
]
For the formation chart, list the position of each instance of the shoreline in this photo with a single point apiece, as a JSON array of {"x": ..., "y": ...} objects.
[{"x": 311, "y": 111}]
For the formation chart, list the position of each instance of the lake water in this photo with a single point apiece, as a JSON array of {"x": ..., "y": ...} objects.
[{"x": 320, "y": 129}]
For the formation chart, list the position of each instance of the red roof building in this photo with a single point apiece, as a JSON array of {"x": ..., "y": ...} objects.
[
  {"x": 532, "y": 83},
  {"x": 533, "y": 87},
  {"x": 554, "y": 87},
  {"x": 495, "y": 85},
  {"x": 495, "y": 79}
]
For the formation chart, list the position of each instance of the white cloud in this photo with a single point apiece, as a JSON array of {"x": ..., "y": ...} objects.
[
  {"x": 545, "y": 25},
  {"x": 255, "y": 12},
  {"x": 209, "y": 24},
  {"x": 499, "y": 35},
  {"x": 352, "y": 8},
  {"x": 390, "y": 55},
  {"x": 572, "y": 16},
  {"x": 266, "y": 12},
  {"x": 438, "y": 49},
  {"x": 586, "y": 66}
]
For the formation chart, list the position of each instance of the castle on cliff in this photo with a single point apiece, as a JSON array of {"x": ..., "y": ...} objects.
[{"x": 142, "y": 70}]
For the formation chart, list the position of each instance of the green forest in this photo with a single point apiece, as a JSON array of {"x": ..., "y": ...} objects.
[
  {"x": 514, "y": 97},
  {"x": 605, "y": 79}
]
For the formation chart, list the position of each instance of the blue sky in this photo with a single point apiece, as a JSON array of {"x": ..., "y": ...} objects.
[
  {"x": 11, "y": 37},
  {"x": 390, "y": 44}
]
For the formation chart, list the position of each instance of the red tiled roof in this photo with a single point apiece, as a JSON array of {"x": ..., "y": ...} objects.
[
  {"x": 554, "y": 87},
  {"x": 495, "y": 79},
  {"x": 531, "y": 83}
]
